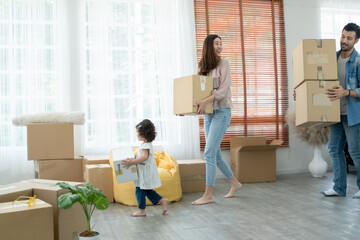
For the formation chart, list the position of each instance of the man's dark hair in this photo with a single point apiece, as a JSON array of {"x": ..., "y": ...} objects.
[
  {"x": 147, "y": 130},
  {"x": 353, "y": 27}
]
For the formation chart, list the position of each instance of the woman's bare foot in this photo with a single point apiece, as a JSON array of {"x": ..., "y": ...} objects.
[
  {"x": 203, "y": 200},
  {"x": 234, "y": 188},
  {"x": 140, "y": 213},
  {"x": 165, "y": 204}
]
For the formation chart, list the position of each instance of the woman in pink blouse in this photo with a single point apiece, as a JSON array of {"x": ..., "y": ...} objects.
[{"x": 216, "y": 124}]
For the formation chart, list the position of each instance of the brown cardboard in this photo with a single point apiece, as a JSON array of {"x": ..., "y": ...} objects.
[
  {"x": 252, "y": 160},
  {"x": 189, "y": 90},
  {"x": 313, "y": 107},
  {"x": 64, "y": 170},
  {"x": 66, "y": 221},
  {"x": 314, "y": 59},
  {"x": 50, "y": 141},
  {"x": 19, "y": 221},
  {"x": 100, "y": 175},
  {"x": 10, "y": 192},
  {"x": 94, "y": 159},
  {"x": 192, "y": 175}
]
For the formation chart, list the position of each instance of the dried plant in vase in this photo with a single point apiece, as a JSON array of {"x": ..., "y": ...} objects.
[{"x": 316, "y": 137}]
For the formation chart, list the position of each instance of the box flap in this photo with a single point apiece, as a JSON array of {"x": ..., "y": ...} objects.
[
  {"x": 258, "y": 148},
  {"x": 276, "y": 142},
  {"x": 247, "y": 141}
]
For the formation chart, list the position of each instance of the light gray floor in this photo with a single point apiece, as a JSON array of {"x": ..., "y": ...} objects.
[{"x": 290, "y": 208}]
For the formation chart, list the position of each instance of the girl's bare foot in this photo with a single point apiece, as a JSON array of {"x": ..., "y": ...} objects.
[
  {"x": 140, "y": 213},
  {"x": 165, "y": 203},
  {"x": 234, "y": 188},
  {"x": 203, "y": 200}
]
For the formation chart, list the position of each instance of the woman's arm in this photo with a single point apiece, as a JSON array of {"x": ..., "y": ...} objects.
[
  {"x": 225, "y": 80},
  {"x": 130, "y": 161}
]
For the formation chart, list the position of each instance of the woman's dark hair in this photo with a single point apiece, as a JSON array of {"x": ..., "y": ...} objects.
[
  {"x": 209, "y": 59},
  {"x": 147, "y": 130},
  {"x": 353, "y": 27}
]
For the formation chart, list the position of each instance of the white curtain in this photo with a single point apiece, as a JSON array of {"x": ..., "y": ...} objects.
[
  {"x": 33, "y": 71},
  {"x": 132, "y": 52}
]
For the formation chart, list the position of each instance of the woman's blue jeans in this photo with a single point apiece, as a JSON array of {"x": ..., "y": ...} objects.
[
  {"x": 216, "y": 125},
  {"x": 339, "y": 134}
]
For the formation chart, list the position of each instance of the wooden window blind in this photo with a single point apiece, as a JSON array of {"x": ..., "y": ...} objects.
[{"x": 253, "y": 36}]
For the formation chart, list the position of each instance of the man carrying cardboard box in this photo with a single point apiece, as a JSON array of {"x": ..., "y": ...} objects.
[{"x": 348, "y": 129}]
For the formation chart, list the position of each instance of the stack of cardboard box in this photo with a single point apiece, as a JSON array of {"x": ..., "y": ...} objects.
[
  {"x": 314, "y": 71},
  {"x": 51, "y": 145}
]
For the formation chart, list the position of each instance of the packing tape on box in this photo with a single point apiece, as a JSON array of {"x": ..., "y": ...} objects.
[
  {"x": 192, "y": 178},
  {"x": 323, "y": 118},
  {"x": 120, "y": 171},
  {"x": 319, "y": 43},
  {"x": 320, "y": 77},
  {"x": 202, "y": 83}
]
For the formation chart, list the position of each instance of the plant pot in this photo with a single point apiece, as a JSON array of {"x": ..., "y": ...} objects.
[
  {"x": 97, "y": 237},
  {"x": 317, "y": 166}
]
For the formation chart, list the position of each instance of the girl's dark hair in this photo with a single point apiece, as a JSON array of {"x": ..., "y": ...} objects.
[
  {"x": 147, "y": 130},
  {"x": 209, "y": 59}
]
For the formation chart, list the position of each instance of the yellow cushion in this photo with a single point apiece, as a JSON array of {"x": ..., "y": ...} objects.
[{"x": 170, "y": 181}]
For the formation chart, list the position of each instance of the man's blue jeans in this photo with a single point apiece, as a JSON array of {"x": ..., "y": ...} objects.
[
  {"x": 339, "y": 134},
  {"x": 216, "y": 125}
]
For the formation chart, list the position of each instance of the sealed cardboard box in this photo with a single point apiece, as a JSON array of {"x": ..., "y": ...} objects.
[
  {"x": 67, "y": 222},
  {"x": 100, "y": 175},
  {"x": 123, "y": 174},
  {"x": 192, "y": 175},
  {"x": 10, "y": 192},
  {"x": 252, "y": 160},
  {"x": 50, "y": 141},
  {"x": 64, "y": 170},
  {"x": 189, "y": 90},
  {"x": 314, "y": 59},
  {"x": 94, "y": 159},
  {"x": 313, "y": 107}
]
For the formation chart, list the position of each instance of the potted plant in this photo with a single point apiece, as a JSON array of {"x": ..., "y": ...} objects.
[{"x": 89, "y": 197}]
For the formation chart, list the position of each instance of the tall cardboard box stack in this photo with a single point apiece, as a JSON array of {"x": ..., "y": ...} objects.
[
  {"x": 252, "y": 160},
  {"x": 189, "y": 90},
  {"x": 192, "y": 175},
  {"x": 52, "y": 146},
  {"x": 315, "y": 70}
]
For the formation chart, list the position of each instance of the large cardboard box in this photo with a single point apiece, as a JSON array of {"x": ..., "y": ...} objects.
[
  {"x": 21, "y": 221},
  {"x": 50, "y": 141},
  {"x": 64, "y": 170},
  {"x": 314, "y": 59},
  {"x": 100, "y": 175},
  {"x": 10, "y": 192},
  {"x": 189, "y": 90},
  {"x": 252, "y": 160},
  {"x": 94, "y": 159},
  {"x": 67, "y": 222},
  {"x": 313, "y": 107},
  {"x": 192, "y": 175}
]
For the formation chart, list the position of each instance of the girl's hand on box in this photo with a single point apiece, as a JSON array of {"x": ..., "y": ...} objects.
[{"x": 127, "y": 163}]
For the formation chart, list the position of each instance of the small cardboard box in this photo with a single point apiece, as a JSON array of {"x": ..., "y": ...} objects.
[
  {"x": 122, "y": 173},
  {"x": 313, "y": 107},
  {"x": 314, "y": 59},
  {"x": 21, "y": 221},
  {"x": 252, "y": 160},
  {"x": 94, "y": 159},
  {"x": 63, "y": 170},
  {"x": 100, "y": 175},
  {"x": 67, "y": 222},
  {"x": 189, "y": 90},
  {"x": 50, "y": 141},
  {"x": 192, "y": 175}
]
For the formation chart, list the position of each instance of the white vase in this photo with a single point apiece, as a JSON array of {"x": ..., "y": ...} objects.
[
  {"x": 97, "y": 237},
  {"x": 317, "y": 166}
]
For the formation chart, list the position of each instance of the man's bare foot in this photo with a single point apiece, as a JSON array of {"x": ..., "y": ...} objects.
[
  {"x": 203, "y": 200},
  {"x": 165, "y": 204},
  {"x": 140, "y": 213},
  {"x": 234, "y": 188}
]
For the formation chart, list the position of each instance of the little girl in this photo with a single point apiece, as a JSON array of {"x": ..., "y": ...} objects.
[{"x": 147, "y": 170}]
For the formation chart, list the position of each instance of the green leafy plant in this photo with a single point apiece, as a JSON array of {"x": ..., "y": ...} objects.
[{"x": 88, "y": 196}]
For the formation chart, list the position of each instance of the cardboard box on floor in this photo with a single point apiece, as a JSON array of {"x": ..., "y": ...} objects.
[
  {"x": 67, "y": 222},
  {"x": 50, "y": 141},
  {"x": 313, "y": 107},
  {"x": 100, "y": 175},
  {"x": 252, "y": 160},
  {"x": 94, "y": 159},
  {"x": 189, "y": 90},
  {"x": 192, "y": 175},
  {"x": 314, "y": 59},
  {"x": 10, "y": 192},
  {"x": 21, "y": 221},
  {"x": 62, "y": 170}
]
